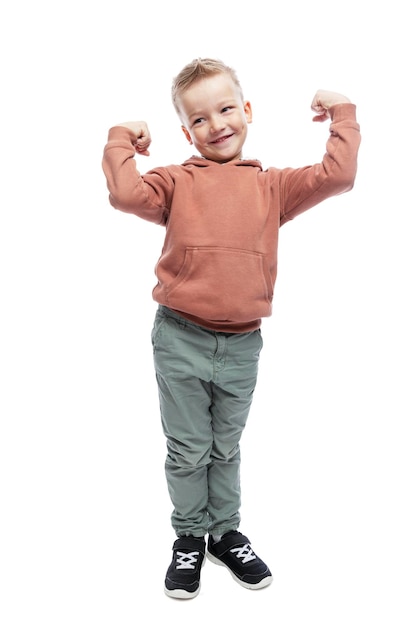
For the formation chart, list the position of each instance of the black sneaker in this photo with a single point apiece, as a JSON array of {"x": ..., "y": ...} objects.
[
  {"x": 235, "y": 552},
  {"x": 183, "y": 575}
]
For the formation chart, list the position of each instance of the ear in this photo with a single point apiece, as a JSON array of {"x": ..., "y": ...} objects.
[
  {"x": 187, "y": 134},
  {"x": 247, "y": 107}
]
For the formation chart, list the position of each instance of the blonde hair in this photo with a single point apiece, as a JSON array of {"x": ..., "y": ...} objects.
[{"x": 196, "y": 70}]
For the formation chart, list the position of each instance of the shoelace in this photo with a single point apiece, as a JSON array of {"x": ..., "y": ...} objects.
[
  {"x": 186, "y": 560},
  {"x": 245, "y": 553}
]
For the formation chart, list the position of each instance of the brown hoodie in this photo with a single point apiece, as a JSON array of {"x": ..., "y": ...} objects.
[{"x": 219, "y": 260}]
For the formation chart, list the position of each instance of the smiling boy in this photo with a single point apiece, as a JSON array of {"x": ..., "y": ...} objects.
[{"x": 215, "y": 282}]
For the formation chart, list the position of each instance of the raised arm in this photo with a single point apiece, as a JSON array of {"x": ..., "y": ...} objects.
[
  {"x": 148, "y": 195},
  {"x": 306, "y": 187}
]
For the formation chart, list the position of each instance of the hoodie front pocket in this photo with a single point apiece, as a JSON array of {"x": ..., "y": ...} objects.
[{"x": 222, "y": 284}]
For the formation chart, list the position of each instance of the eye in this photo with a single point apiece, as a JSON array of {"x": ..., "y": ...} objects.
[
  {"x": 226, "y": 109},
  {"x": 198, "y": 121}
]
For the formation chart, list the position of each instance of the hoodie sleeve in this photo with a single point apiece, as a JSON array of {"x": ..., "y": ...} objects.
[
  {"x": 305, "y": 187},
  {"x": 148, "y": 196}
]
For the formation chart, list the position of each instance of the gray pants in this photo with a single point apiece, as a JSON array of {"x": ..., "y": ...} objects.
[{"x": 206, "y": 382}]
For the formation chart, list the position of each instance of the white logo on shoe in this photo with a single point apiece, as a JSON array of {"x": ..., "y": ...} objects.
[
  {"x": 245, "y": 553},
  {"x": 186, "y": 560}
]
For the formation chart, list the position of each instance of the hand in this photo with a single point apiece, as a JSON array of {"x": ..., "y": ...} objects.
[
  {"x": 143, "y": 136},
  {"x": 323, "y": 100}
]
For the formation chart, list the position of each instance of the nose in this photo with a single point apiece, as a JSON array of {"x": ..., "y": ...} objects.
[{"x": 216, "y": 123}]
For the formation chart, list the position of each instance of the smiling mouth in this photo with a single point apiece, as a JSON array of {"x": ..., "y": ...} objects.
[{"x": 222, "y": 139}]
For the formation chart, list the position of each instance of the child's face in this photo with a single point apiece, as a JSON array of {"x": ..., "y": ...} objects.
[{"x": 214, "y": 117}]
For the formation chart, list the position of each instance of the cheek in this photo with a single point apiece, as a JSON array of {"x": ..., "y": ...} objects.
[{"x": 197, "y": 136}]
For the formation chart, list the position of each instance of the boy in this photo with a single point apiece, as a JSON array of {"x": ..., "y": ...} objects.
[{"x": 215, "y": 281}]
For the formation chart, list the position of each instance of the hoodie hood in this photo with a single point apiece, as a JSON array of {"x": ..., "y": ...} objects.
[{"x": 200, "y": 161}]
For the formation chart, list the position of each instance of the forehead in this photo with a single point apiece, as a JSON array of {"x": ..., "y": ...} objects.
[{"x": 208, "y": 91}]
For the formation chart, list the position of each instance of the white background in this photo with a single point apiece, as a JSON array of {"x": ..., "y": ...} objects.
[{"x": 329, "y": 453}]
